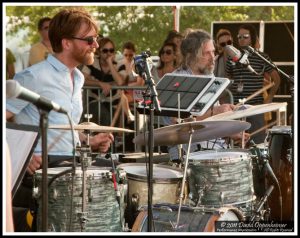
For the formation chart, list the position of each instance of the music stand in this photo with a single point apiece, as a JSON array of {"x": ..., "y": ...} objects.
[
  {"x": 197, "y": 94},
  {"x": 21, "y": 139}
]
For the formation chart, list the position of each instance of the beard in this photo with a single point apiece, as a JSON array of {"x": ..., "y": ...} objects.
[
  {"x": 84, "y": 57},
  {"x": 207, "y": 69}
]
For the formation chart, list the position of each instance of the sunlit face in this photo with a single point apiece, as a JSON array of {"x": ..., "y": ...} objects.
[
  {"x": 128, "y": 55},
  {"x": 244, "y": 37},
  {"x": 44, "y": 30},
  {"x": 82, "y": 51},
  {"x": 107, "y": 50},
  {"x": 223, "y": 41},
  {"x": 167, "y": 54},
  {"x": 205, "y": 60}
]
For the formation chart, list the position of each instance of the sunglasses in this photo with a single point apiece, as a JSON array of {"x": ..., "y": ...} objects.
[
  {"x": 111, "y": 50},
  {"x": 245, "y": 36},
  {"x": 223, "y": 44},
  {"x": 90, "y": 39},
  {"x": 168, "y": 52}
]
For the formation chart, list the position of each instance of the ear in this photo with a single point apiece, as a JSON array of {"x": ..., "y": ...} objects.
[{"x": 66, "y": 44}]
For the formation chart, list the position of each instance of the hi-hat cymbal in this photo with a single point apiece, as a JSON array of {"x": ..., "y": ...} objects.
[
  {"x": 90, "y": 126},
  {"x": 203, "y": 130},
  {"x": 247, "y": 111}
]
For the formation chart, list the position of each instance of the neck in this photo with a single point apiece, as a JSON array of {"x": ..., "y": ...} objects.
[{"x": 71, "y": 64}]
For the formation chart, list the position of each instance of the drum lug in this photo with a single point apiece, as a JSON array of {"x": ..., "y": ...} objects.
[
  {"x": 55, "y": 194},
  {"x": 219, "y": 172},
  {"x": 135, "y": 198},
  {"x": 35, "y": 192},
  {"x": 90, "y": 196}
]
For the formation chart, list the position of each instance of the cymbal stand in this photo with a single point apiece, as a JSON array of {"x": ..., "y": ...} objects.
[
  {"x": 85, "y": 160},
  {"x": 191, "y": 131}
]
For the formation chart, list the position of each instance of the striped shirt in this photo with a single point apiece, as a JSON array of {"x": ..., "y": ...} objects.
[{"x": 246, "y": 82}]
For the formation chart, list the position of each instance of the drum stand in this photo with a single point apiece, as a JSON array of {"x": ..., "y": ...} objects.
[
  {"x": 191, "y": 131},
  {"x": 85, "y": 160},
  {"x": 257, "y": 215}
]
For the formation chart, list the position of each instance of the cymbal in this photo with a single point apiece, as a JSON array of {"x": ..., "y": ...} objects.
[
  {"x": 90, "y": 126},
  {"x": 247, "y": 111},
  {"x": 203, "y": 130}
]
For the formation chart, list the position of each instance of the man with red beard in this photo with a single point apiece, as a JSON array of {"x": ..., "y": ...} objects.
[{"x": 73, "y": 36}]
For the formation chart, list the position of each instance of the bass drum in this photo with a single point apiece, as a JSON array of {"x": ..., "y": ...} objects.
[{"x": 199, "y": 219}]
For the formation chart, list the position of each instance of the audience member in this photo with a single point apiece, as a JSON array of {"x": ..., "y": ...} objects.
[{"x": 39, "y": 51}]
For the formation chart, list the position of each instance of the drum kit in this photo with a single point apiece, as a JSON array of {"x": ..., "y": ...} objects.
[{"x": 213, "y": 185}]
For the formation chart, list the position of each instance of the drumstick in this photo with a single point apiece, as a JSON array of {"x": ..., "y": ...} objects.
[
  {"x": 263, "y": 128},
  {"x": 256, "y": 93}
]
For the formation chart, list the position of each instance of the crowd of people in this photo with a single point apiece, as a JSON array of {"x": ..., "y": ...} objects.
[{"x": 73, "y": 55}]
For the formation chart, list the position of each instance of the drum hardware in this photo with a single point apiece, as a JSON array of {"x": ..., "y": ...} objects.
[
  {"x": 275, "y": 180},
  {"x": 257, "y": 213},
  {"x": 117, "y": 191},
  {"x": 191, "y": 131}
]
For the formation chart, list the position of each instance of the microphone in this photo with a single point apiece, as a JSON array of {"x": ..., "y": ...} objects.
[
  {"x": 140, "y": 62},
  {"x": 15, "y": 90},
  {"x": 238, "y": 57}
]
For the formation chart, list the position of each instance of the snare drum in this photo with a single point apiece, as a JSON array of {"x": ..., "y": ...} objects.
[
  {"x": 166, "y": 186},
  {"x": 199, "y": 219},
  {"x": 103, "y": 213}
]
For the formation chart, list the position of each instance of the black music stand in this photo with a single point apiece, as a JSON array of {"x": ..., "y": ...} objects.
[
  {"x": 21, "y": 139},
  {"x": 197, "y": 94}
]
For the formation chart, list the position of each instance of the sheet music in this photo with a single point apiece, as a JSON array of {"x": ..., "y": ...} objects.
[{"x": 20, "y": 144}]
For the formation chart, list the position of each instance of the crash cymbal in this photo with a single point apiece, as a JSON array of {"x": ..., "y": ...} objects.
[
  {"x": 247, "y": 111},
  {"x": 203, "y": 130},
  {"x": 90, "y": 126}
]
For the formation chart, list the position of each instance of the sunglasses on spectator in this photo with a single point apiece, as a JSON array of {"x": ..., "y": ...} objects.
[
  {"x": 223, "y": 44},
  {"x": 111, "y": 50},
  {"x": 245, "y": 36},
  {"x": 168, "y": 52},
  {"x": 90, "y": 39}
]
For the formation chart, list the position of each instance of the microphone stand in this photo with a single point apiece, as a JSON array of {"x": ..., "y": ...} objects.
[
  {"x": 44, "y": 125},
  {"x": 154, "y": 105}
]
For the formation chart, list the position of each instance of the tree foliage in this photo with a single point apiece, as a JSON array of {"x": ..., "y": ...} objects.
[{"x": 146, "y": 26}]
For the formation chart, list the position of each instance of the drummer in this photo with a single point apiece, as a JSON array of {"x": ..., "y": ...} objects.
[
  {"x": 198, "y": 54},
  {"x": 74, "y": 42}
]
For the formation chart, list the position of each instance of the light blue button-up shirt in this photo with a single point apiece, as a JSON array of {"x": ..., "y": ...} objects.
[{"x": 52, "y": 80}]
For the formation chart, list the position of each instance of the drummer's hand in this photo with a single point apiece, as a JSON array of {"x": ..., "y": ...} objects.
[
  {"x": 223, "y": 108},
  {"x": 34, "y": 164},
  {"x": 238, "y": 138},
  {"x": 101, "y": 142}
]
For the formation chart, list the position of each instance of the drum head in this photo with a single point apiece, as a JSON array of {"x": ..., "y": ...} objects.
[{"x": 161, "y": 173}]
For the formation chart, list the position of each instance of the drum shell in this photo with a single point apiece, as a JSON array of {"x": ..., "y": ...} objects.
[
  {"x": 220, "y": 178},
  {"x": 166, "y": 187},
  {"x": 103, "y": 211}
]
